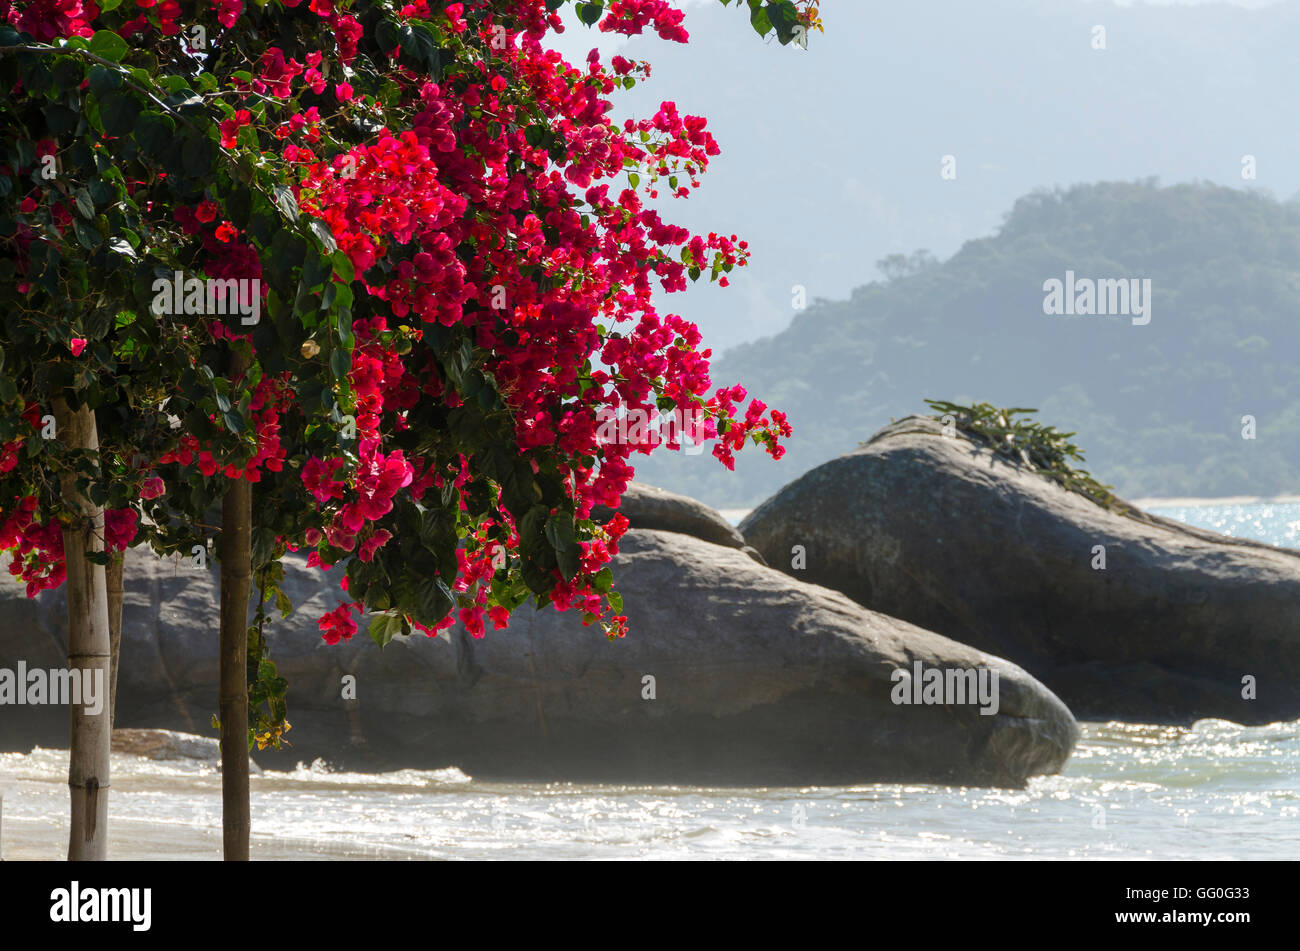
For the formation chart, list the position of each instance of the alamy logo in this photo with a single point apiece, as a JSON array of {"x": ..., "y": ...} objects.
[
  {"x": 181, "y": 295},
  {"x": 938, "y": 687},
  {"x": 1104, "y": 297},
  {"x": 62, "y": 687},
  {"x": 75, "y": 903}
]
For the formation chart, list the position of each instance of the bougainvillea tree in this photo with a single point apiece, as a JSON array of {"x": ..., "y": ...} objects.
[{"x": 371, "y": 280}]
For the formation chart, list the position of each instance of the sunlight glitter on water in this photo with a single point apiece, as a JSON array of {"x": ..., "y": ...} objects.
[{"x": 1217, "y": 790}]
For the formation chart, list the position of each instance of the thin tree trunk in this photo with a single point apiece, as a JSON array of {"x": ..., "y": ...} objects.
[
  {"x": 113, "y": 576},
  {"x": 88, "y": 649},
  {"x": 236, "y": 581}
]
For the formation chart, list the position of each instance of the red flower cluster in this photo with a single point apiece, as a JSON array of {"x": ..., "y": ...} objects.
[
  {"x": 37, "y": 549},
  {"x": 503, "y": 208},
  {"x": 629, "y": 16},
  {"x": 164, "y": 16},
  {"x": 47, "y": 19}
]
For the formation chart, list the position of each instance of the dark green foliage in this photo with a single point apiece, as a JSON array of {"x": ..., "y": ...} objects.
[{"x": 1026, "y": 442}]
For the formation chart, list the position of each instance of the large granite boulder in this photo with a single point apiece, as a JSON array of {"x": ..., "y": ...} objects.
[
  {"x": 733, "y": 674},
  {"x": 646, "y": 506},
  {"x": 945, "y": 534}
]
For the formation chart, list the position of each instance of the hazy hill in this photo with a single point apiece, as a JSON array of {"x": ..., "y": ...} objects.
[
  {"x": 1158, "y": 408},
  {"x": 831, "y": 156}
]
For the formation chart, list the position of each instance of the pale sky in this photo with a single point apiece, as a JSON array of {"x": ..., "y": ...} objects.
[{"x": 578, "y": 40}]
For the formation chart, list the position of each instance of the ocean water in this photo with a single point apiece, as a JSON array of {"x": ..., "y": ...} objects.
[
  {"x": 1274, "y": 523},
  {"x": 1216, "y": 790}
]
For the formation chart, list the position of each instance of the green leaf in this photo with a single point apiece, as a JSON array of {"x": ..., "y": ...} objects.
[
  {"x": 154, "y": 134},
  {"x": 384, "y": 627},
  {"x": 322, "y": 231},
  {"x": 315, "y": 271},
  {"x": 531, "y": 529},
  {"x": 68, "y": 73},
  {"x": 559, "y": 531},
  {"x": 182, "y": 98},
  {"x": 378, "y": 598},
  {"x": 81, "y": 198},
  {"x": 108, "y": 45},
  {"x": 589, "y": 13},
  {"x": 263, "y": 545},
  {"x": 386, "y": 35},
  {"x": 343, "y": 266},
  {"x": 286, "y": 202},
  {"x": 570, "y": 561},
  {"x": 434, "y": 601},
  {"x": 198, "y": 156},
  {"x": 343, "y": 325},
  {"x": 340, "y": 364},
  {"x": 784, "y": 18},
  {"x": 60, "y": 120},
  {"x": 102, "y": 192},
  {"x": 118, "y": 112},
  {"x": 88, "y": 237}
]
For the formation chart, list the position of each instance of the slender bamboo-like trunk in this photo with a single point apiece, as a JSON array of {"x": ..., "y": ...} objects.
[
  {"x": 236, "y": 582},
  {"x": 113, "y": 576},
  {"x": 88, "y": 649}
]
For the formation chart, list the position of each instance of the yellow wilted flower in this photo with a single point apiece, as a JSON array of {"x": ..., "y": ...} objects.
[{"x": 810, "y": 15}]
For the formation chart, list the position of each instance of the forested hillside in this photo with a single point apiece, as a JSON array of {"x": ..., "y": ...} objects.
[{"x": 1158, "y": 407}]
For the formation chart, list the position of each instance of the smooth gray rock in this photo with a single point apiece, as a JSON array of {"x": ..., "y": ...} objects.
[
  {"x": 167, "y": 745},
  {"x": 646, "y": 506},
  {"x": 757, "y": 680},
  {"x": 171, "y": 745},
  {"x": 947, "y": 535}
]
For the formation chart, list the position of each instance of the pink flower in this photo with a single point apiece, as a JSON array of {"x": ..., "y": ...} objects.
[
  {"x": 119, "y": 528},
  {"x": 338, "y": 624},
  {"x": 152, "y": 488},
  {"x": 77, "y": 345},
  {"x": 347, "y": 31},
  {"x": 373, "y": 543},
  {"x": 318, "y": 477},
  {"x": 228, "y": 12}
]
